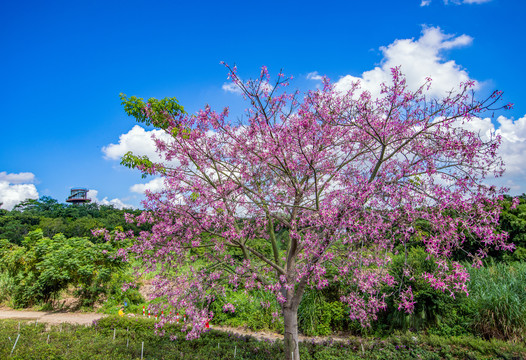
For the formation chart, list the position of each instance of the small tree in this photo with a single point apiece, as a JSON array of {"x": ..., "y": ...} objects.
[
  {"x": 345, "y": 180},
  {"x": 43, "y": 267}
]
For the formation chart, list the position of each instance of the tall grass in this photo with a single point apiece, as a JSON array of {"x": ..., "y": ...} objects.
[
  {"x": 318, "y": 316},
  {"x": 498, "y": 299},
  {"x": 6, "y": 285}
]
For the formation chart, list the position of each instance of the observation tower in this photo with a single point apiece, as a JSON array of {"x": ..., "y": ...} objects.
[{"x": 78, "y": 196}]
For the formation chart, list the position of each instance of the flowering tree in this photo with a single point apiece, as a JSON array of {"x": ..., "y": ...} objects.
[{"x": 347, "y": 179}]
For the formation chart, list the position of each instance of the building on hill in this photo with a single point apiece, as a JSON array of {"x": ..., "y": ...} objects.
[{"x": 78, "y": 196}]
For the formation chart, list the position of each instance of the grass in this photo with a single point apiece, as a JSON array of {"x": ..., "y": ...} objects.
[
  {"x": 96, "y": 342},
  {"x": 498, "y": 293}
]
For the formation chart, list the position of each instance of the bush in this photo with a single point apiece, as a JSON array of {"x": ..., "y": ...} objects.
[
  {"x": 42, "y": 267},
  {"x": 432, "y": 308}
]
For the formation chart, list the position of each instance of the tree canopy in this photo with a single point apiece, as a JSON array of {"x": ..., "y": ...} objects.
[{"x": 309, "y": 189}]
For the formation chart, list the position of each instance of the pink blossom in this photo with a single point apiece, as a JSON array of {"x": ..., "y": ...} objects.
[{"x": 229, "y": 308}]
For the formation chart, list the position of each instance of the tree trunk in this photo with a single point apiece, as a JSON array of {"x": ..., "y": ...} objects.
[{"x": 290, "y": 315}]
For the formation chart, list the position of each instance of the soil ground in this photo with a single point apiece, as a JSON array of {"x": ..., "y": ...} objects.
[{"x": 58, "y": 317}]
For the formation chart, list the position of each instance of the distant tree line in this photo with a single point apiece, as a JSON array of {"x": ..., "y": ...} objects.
[{"x": 52, "y": 217}]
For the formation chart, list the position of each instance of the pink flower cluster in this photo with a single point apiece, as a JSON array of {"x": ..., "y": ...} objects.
[{"x": 229, "y": 308}]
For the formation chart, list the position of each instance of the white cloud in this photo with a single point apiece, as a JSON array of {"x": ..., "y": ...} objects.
[
  {"x": 481, "y": 126},
  {"x": 137, "y": 140},
  {"x": 314, "y": 76},
  {"x": 20, "y": 178},
  {"x": 231, "y": 88},
  {"x": 234, "y": 89},
  {"x": 456, "y": 2},
  {"x": 476, "y": 1},
  {"x": 118, "y": 203},
  {"x": 512, "y": 148},
  {"x": 140, "y": 142},
  {"x": 418, "y": 59},
  {"x": 265, "y": 86},
  {"x": 15, "y": 188},
  {"x": 154, "y": 185},
  {"x": 512, "y": 131}
]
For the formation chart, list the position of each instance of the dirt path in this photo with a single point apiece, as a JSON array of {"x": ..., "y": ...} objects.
[
  {"x": 265, "y": 335},
  {"x": 51, "y": 317},
  {"x": 57, "y": 317}
]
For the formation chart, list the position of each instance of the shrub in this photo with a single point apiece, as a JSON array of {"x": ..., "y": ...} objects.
[
  {"x": 432, "y": 307},
  {"x": 42, "y": 267}
]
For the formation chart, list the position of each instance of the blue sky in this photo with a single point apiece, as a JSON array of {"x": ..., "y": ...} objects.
[{"x": 63, "y": 64}]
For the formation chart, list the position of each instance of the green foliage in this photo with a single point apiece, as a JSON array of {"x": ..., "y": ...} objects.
[
  {"x": 42, "y": 267},
  {"x": 249, "y": 312},
  {"x": 513, "y": 221},
  {"x": 44, "y": 205},
  {"x": 317, "y": 316},
  {"x": 14, "y": 225},
  {"x": 142, "y": 162},
  {"x": 161, "y": 111},
  {"x": 6, "y": 286},
  {"x": 496, "y": 306},
  {"x": 53, "y": 218},
  {"x": 116, "y": 297},
  {"x": 319, "y": 312},
  {"x": 432, "y": 308}
]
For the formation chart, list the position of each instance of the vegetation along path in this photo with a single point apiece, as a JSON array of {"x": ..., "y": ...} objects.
[{"x": 58, "y": 317}]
